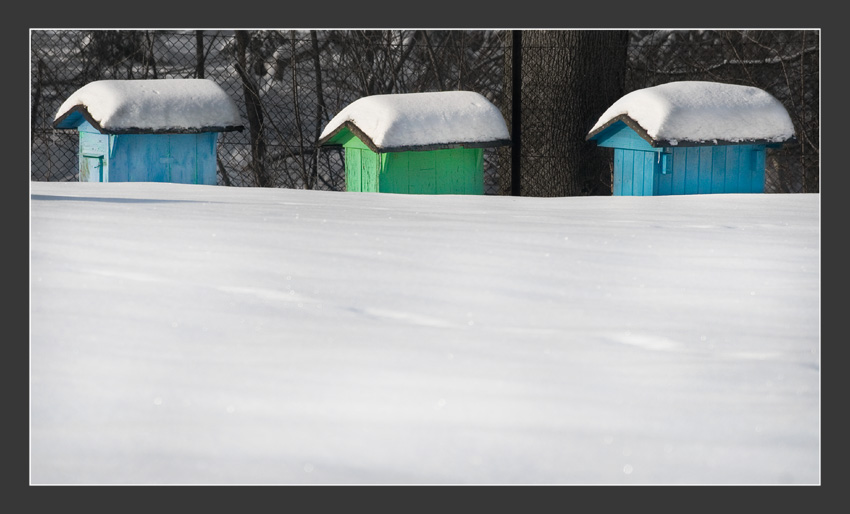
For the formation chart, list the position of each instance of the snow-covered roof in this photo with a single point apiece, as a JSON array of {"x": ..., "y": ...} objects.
[
  {"x": 157, "y": 105},
  {"x": 421, "y": 121},
  {"x": 696, "y": 112}
]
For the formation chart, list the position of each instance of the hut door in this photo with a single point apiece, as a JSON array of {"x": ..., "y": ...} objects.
[
  {"x": 91, "y": 168},
  {"x": 93, "y": 150}
]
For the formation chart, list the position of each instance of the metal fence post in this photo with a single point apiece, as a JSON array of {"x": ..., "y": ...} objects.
[{"x": 516, "y": 110}]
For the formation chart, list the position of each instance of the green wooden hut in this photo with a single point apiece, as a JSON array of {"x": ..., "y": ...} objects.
[{"x": 417, "y": 143}]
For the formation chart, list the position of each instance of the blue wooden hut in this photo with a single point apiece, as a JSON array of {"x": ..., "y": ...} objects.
[
  {"x": 161, "y": 130},
  {"x": 692, "y": 137}
]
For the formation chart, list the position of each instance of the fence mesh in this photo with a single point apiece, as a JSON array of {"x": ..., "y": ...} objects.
[
  {"x": 298, "y": 80},
  {"x": 785, "y": 63}
]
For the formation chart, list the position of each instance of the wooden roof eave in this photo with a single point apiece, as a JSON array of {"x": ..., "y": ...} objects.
[
  {"x": 78, "y": 109},
  {"x": 681, "y": 143},
  {"x": 81, "y": 109},
  {"x": 632, "y": 124},
  {"x": 447, "y": 146},
  {"x": 350, "y": 126}
]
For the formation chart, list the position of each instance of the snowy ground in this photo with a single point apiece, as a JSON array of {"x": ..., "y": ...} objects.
[{"x": 205, "y": 335}]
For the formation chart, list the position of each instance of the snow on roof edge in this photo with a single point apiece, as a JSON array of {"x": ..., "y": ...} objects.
[
  {"x": 350, "y": 126},
  {"x": 152, "y": 106},
  {"x": 664, "y": 143},
  {"x": 700, "y": 112},
  {"x": 82, "y": 111},
  {"x": 421, "y": 121}
]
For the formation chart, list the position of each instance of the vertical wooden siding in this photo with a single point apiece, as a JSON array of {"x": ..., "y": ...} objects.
[
  {"x": 450, "y": 171},
  {"x": 369, "y": 170},
  {"x": 664, "y": 181},
  {"x": 361, "y": 167},
  {"x": 719, "y": 169},
  {"x": 635, "y": 172},
  {"x": 352, "y": 169},
  {"x": 757, "y": 181},
  {"x": 692, "y": 170},
  {"x": 180, "y": 158},
  {"x": 422, "y": 173},
  {"x": 393, "y": 172},
  {"x": 192, "y": 158}
]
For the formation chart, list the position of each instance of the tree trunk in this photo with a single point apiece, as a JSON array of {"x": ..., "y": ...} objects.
[
  {"x": 199, "y": 54},
  {"x": 569, "y": 78},
  {"x": 150, "y": 58}
]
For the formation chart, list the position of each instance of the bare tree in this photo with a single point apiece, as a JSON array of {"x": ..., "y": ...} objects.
[{"x": 245, "y": 63}]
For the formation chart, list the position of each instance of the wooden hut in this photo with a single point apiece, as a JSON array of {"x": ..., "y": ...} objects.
[
  {"x": 692, "y": 137},
  {"x": 162, "y": 130},
  {"x": 420, "y": 143}
]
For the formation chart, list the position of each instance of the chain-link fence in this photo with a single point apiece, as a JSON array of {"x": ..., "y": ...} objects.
[
  {"x": 289, "y": 84},
  {"x": 785, "y": 63}
]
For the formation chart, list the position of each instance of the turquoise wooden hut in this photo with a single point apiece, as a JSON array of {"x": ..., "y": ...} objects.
[
  {"x": 417, "y": 143},
  {"x": 692, "y": 137},
  {"x": 162, "y": 130}
]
